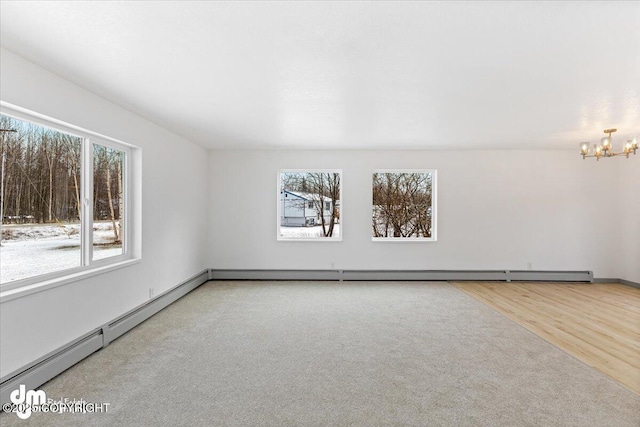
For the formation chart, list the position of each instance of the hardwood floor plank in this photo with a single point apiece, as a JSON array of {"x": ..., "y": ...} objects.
[{"x": 598, "y": 324}]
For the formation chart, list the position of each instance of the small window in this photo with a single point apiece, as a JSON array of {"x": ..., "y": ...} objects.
[
  {"x": 108, "y": 202},
  {"x": 304, "y": 205},
  {"x": 403, "y": 206}
]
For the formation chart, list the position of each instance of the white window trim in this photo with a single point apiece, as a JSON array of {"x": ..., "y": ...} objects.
[
  {"x": 132, "y": 235},
  {"x": 434, "y": 210}
]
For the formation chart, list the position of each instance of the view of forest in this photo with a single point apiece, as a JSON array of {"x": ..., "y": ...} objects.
[
  {"x": 41, "y": 176},
  {"x": 402, "y": 205}
]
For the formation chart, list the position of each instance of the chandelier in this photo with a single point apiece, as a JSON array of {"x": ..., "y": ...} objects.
[{"x": 603, "y": 149}]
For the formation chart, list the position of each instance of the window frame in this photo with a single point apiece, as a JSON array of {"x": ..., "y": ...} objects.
[
  {"x": 130, "y": 239},
  {"x": 126, "y": 190},
  {"x": 434, "y": 210}
]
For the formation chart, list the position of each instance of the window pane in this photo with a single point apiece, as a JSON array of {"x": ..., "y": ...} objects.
[
  {"x": 40, "y": 186},
  {"x": 108, "y": 202},
  {"x": 305, "y": 205},
  {"x": 403, "y": 205}
]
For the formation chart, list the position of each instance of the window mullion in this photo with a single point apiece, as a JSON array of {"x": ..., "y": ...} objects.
[{"x": 87, "y": 202}]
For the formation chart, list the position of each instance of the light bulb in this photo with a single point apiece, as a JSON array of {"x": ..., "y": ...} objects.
[
  {"x": 584, "y": 148},
  {"x": 597, "y": 149}
]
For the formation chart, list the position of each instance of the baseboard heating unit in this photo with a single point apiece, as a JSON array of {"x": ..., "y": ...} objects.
[
  {"x": 61, "y": 359},
  {"x": 402, "y": 275}
]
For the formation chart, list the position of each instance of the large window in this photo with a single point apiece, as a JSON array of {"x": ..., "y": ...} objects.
[
  {"x": 64, "y": 200},
  {"x": 404, "y": 205}
]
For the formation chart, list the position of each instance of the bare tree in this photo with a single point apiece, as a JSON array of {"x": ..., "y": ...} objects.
[
  {"x": 74, "y": 170},
  {"x": 108, "y": 183},
  {"x": 402, "y": 204}
]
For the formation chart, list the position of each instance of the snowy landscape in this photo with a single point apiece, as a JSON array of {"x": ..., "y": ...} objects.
[
  {"x": 307, "y": 232},
  {"x": 34, "y": 249}
]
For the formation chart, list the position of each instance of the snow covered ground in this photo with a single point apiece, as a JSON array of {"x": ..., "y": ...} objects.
[
  {"x": 308, "y": 232},
  {"x": 33, "y": 249}
]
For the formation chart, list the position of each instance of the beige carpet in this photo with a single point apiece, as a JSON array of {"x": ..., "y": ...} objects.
[{"x": 340, "y": 354}]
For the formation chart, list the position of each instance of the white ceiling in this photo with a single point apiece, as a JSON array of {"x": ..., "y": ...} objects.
[{"x": 350, "y": 75}]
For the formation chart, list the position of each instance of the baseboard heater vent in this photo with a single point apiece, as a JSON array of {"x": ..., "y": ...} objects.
[
  {"x": 550, "y": 276},
  {"x": 404, "y": 275},
  {"x": 274, "y": 274},
  {"x": 56, "y": 362}
]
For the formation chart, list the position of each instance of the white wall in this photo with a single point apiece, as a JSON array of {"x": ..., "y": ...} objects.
[
  {"x": 627, "y": 219},
  {"x": 496, "y": 210},
  {"x": 174, "y": 185}
]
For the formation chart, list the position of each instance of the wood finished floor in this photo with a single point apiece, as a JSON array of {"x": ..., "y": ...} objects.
[{"x": 598, "y": 324}]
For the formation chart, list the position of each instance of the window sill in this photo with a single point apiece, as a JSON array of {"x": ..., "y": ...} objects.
[{"x": 11, "y": 294}]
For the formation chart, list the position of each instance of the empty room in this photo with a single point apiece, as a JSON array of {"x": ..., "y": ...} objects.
[{"x": 332, "y": 213}]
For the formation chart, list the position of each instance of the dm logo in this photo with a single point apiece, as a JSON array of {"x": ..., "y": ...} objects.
[{"x": 25, "y": 400}]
